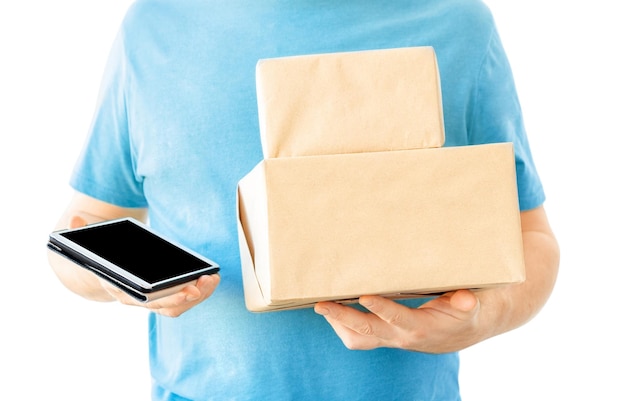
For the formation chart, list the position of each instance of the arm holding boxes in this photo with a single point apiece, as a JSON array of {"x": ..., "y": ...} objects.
[{"x": 461, "y": 318}]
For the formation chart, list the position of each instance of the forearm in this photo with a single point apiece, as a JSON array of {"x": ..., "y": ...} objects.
[{"x": 509, "y": 307}]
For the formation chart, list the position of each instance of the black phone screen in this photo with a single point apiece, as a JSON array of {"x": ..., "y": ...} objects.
[{"x": 137, "y": 250}]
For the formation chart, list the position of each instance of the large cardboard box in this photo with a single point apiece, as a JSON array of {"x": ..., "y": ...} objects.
[{"x": 356, "y": 195}]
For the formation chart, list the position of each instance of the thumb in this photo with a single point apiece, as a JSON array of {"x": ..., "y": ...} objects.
[
  {"x": 77, "y": 221},
  {"x": 464, "y": 300}
]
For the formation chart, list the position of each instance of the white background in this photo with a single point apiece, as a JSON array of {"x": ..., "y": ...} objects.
[{"x": 567, "y": 59}]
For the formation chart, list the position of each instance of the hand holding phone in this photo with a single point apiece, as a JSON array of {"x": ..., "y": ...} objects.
[
  {"x": 173, "y": 305},
  {"x": 132, "y": 257}
]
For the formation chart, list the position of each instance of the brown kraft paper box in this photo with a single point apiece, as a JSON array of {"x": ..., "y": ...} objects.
[{"x": 356, "y": 194}]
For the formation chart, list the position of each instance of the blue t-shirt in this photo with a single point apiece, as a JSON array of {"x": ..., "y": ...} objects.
[{"x": 176, "y": 127}]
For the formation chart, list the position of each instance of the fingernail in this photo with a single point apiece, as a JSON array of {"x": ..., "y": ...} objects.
[
  {"x": 320, "y": 310},
  {"x": 191, "y": 298},
  {"x": 366, "y": 302}
]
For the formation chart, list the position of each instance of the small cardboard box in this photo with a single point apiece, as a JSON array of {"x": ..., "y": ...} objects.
[
  {"x": 350, "y": 102},
  {"x": 352, "y": 206}
]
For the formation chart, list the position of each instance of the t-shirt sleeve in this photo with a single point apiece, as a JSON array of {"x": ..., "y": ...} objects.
[
  {"x": 497, "y": 117},
  {"x": 105, "y": 168}
]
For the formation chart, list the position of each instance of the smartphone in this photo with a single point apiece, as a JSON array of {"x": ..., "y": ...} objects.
[{"x": 132, "y": 256}]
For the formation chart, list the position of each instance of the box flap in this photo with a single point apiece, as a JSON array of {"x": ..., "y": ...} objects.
[{"x": 351, "y": 102}]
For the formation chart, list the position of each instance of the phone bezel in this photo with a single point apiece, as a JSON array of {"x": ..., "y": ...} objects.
[{"x": 117, "y": 274}]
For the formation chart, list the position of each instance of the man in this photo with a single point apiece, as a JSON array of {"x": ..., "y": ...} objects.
[{"x": 176, "y": 127}]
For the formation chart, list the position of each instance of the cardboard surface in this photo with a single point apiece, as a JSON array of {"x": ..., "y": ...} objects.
[
  {"x": 396, "y": 223},
  {"x": 350, "y": 102}
]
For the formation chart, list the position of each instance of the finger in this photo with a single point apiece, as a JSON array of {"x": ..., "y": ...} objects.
[
  {"x": 172, "y": 305},
  {"x": 464, "y": 300},
  {"x": 460, "y": 304},
  {"x": 354, "y": 328},
  {"x": 389, "y": 311},
  {"x": 203, "y": 288},
  {"x": 77, "y": 221},
  {"x": 118, "y": 294},
  {"x": 176, "y": 304},
  {"x": 362, "y": 323}
]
